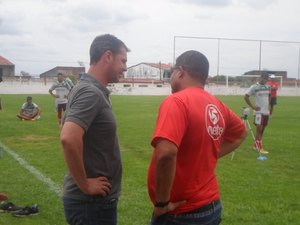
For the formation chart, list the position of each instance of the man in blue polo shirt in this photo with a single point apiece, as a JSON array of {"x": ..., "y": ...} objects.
[{"x": 89, "y": 139}]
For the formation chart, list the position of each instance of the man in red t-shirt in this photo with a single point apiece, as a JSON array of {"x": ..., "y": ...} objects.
[
  {"x": 274, "y": 87},
  {"x": 193, "y": 130}
]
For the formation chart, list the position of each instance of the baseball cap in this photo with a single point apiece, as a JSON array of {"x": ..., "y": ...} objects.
[{"x": 272, "y": 76}]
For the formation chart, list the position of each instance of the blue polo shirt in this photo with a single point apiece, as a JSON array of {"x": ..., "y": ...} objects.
[{"x": 90, "y": 108}]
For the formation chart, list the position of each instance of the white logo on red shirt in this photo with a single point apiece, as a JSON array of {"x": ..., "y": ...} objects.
[{"x": 214, "y": 122}]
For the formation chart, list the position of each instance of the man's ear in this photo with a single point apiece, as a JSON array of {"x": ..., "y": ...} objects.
[
  {"x": 181, "y": 73},
  {"x": 108, "y": 56}
]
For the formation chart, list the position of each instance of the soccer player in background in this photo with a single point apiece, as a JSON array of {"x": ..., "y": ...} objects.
[
  {"x": 261, "y": 93},
  {"x": 62, "y": 90},
  {"x": 29, "y": 110},
  {"x": 274, "y": 87}
]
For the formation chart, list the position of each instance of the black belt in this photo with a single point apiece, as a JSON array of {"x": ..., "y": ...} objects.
[{"x": 204, "y": 208}]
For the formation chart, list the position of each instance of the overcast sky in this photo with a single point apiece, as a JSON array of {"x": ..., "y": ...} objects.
[{"x": 37, "y": 35}]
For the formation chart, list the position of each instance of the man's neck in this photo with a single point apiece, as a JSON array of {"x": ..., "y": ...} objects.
[{"x": 98, "y": 75}]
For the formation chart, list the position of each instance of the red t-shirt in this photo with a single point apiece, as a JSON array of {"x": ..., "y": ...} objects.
[
  {"x": 197, "y": 122},
  {"x": 274, "y": 86}
]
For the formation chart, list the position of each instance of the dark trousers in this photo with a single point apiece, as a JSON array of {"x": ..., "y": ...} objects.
[
  {"x": 210, "y": 216},
  {"x": 90, "y": 212}
]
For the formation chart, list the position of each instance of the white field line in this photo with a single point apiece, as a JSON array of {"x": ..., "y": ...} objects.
[{"x": 46, "y": 180}]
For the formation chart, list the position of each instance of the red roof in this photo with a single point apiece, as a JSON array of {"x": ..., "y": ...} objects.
[{"x": 5, "y": 62}]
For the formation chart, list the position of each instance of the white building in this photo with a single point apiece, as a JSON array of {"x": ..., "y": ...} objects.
[{"x": 149, "y": 71}]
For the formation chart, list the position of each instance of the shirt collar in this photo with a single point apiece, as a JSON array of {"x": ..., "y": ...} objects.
[{"x": 97, "y": 83}]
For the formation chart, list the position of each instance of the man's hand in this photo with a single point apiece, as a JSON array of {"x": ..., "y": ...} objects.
[
  {"x": 170, "y": 207},
  {"x": 97, "y": 186}
]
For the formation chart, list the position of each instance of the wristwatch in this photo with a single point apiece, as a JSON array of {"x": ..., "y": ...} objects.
[{"x": 161, "y": 204}]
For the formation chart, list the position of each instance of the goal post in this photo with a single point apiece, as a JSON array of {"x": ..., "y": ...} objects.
[{"x": 236, "y": 56}]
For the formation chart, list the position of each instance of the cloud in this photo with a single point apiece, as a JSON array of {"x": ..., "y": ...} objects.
[
  {"x": 211, "y": 3},
  {"x": 7, "y": 29},
  {"x": 260, "y": 5},
  {"x": 225, "y": 3},
  {"x": 95, "y": 18},
  {"x": 89, "y": 16},
  {"x": 62, "y": 30},
  {"x": 10, "y": 21}
]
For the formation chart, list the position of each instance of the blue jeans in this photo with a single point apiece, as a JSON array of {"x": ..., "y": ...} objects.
[
  {"x": 210, "y": 217},
  {"x": 93, "y": 212}
]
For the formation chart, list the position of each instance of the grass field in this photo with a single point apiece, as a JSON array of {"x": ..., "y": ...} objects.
[{"x": 253, "y": 192}]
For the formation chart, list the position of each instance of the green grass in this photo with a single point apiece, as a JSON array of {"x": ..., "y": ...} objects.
[{"x": 253, "y": 192}]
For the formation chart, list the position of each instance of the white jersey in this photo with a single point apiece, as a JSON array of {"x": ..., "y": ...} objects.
[
  {"x": 29, "y": 108},
  {"x": 62, "y": 90},
  {"x": 261, "y": 93},
  {"x": 69, "y": 82}
]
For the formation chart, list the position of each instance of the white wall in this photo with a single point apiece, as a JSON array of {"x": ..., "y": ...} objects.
[{"x": 129, "y": 89}]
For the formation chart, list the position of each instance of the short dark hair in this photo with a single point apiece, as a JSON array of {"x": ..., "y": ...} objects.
[
  {"x": 265, "y": 75},
  {"x": 103, "y": 43},
  {"x": 29, "y": 98},
  {"x": 195, "y": 63}
]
